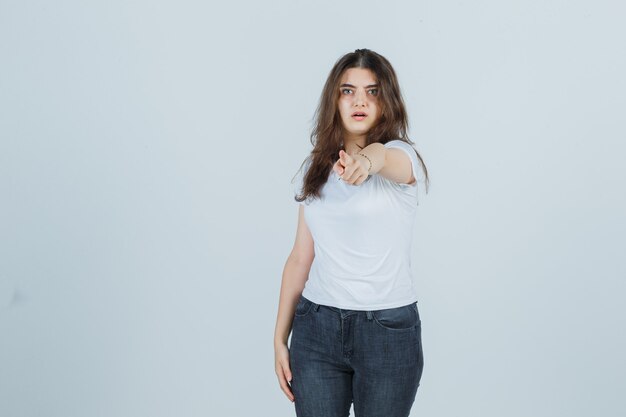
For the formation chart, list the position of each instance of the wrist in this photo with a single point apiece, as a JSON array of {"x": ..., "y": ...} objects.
[
  {"x": 365, "y": 161},
  {"x": 279, "y": 342}
]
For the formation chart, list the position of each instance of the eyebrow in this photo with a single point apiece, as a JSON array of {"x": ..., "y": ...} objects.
[{"x": 350, "y": 85}]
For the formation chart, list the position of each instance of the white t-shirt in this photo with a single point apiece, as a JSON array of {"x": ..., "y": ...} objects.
[{"x": 362, "y": 240}]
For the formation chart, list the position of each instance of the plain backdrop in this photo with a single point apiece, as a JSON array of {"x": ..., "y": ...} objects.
[{"x": 146, "y": 156}]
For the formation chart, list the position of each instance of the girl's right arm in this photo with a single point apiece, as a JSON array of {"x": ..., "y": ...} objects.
[{"x": 295, "y": 275}]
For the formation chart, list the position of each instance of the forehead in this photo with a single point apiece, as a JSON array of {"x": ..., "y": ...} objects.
[{"x": 358, "y": 77}]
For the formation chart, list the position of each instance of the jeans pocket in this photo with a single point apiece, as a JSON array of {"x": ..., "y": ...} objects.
[
  {"x": 303, "y": 307},
  {"x": 399, "y": 318}
]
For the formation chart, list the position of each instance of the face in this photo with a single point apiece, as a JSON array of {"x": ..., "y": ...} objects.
[{"x": 358, "y": 102}]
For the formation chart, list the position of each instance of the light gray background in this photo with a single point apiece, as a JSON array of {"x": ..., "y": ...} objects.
[{"x": 146, "y": 154}]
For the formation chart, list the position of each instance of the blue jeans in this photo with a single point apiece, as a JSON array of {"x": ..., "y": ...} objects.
[{"x": 372, "y": 358}]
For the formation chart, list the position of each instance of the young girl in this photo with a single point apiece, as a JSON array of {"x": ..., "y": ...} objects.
[{"x": 347, "y": 294}]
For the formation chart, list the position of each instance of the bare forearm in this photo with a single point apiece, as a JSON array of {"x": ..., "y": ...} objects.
[
  {"x": 375, "y": 153},
  {"x": 295, "y": 275}
]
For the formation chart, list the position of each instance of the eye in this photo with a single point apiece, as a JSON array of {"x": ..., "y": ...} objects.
[
  {"x": 373, "y": 91},
  {"x": 343, "y": 91}
]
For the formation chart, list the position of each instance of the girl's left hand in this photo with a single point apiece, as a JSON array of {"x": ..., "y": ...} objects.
[{"x": 351, "y": 169}]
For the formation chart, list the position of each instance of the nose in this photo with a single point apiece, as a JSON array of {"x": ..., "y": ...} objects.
[{"x": 359, "y": 98}]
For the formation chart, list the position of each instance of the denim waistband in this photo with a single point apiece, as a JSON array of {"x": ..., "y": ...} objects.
[{"x": 344, "y": 312}]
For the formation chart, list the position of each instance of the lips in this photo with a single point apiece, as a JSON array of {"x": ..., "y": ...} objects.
[{"x": 359, "y": 115}]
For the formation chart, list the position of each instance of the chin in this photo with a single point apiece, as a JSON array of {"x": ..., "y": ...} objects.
[{"x": 362, "y": 131}]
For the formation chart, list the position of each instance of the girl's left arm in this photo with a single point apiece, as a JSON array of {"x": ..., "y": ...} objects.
[{"x": 391, "y": 163}]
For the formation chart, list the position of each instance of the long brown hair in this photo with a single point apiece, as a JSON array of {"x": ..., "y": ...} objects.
[{"x": 326, "y": 136}]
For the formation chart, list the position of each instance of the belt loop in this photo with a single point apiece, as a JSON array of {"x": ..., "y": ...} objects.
[
  {"x": 316, "y": 306},
  {"x": 369, "y": 314}
]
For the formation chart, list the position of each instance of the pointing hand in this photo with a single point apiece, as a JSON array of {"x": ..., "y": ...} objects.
[{"x": 351, "y": 169}]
